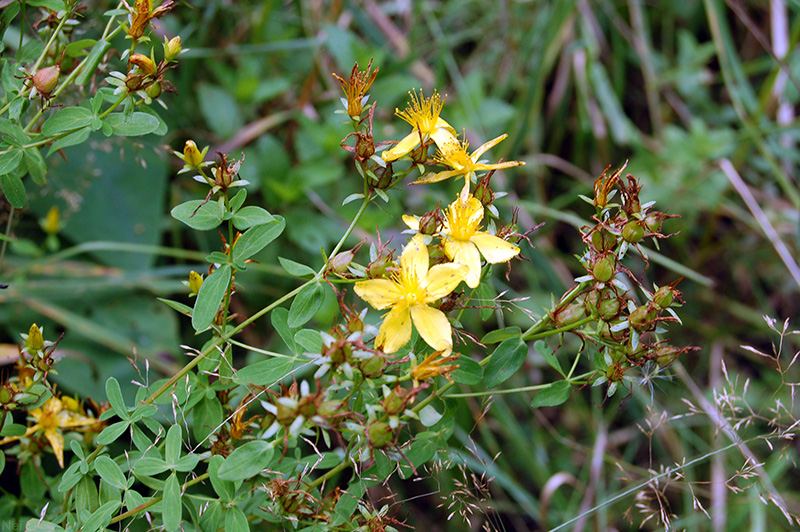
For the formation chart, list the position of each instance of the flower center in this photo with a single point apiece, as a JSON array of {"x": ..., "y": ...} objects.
[
  {"x": 461, "y": 219},
  {"x": 422, "y": 113}
]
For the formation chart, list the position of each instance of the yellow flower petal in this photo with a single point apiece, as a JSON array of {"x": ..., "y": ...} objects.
[
  {"x": 442, "y": 279},
  {"x": 443, "y": 134},
  {"x": 435, "y": 178},
  {"x": 408, "y": 143},
  {"x": 476, "y": 155},
  {"x": 395, "y": 331},
  {"x": 414, "y": 259},
  {"x": 433, "y": 327},
  {"x": 380, "y": 293},
  {"x": 57, "y": 443},
  {"x": 411, "y": 221},
  {"x": 494, "y": 249},
  {"x": 462, "y": 252}
]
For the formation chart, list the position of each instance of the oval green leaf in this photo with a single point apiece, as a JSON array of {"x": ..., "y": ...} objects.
[
  {"x": 306, "y": 304},
  {"x": 210, "y": 296},
  {"x": 265, "y": 373},
  {"x": 171, "y": 508},
  {"x": 257, "y": 238},
  {"x": 133, "y": 126},
  {"x": 251, "y": 216},
  {"x": 506, "y": 360},
  {"x": 110, "y": 472},
  {"x": 468, "y": 372},
  {"x": 10, "y": 160},
  {"x": 67, "y": 119},
  {"x": 198, "y": 214},
  {"x": 246, "y": 461},
  {"x": 553, "y": 395},
  {"x": 14, "y": 190}
]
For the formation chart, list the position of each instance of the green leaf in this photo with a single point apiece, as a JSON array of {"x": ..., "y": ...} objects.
[
  {"x": 309, "y": 339},
  {"x": 2, "y": 461},
  {"x": 505, "y": 361},
  {"x": 235, "y": 520},
  {"x": 548, "y": 354},
  {"x": 265, "y": 373},
  {"x": 295, "y": 268},
  {"x": 468, "y": 372},
  {"x": 114, "y": 395},
  {"x": 10, "y": 160},
  {"x": 428, "y": 416},
  {"x": 133, "y": 126},
  {"x": 150, "y": 465},
  {"x": 225, "y": 489},
  {"x": 112, "y": 432},
  {"x": 54, "y": 5},
  {"x": 251, "y": 216},
  {"x": 14, "y": 189},
  {"x": 306, "y": 304},
  {"x": 37, "y": 525},
  {"x": 553, "y": 395},
  {"x": 187, "y": 463},
  {"x": 280, "y": 322},
  {"x": 257, "y": 238},
  {"x": 36, "y": 165},
  {"x": 186, "y": 310},
  {"x": 171, "y": 507},
  {"x": 207, "y": 417},
  {"x": 73, "y": 139},
  {"x": 67, "y": 119},
  {"x": 499, "y": 335},
  {"x": 101, "y": 517},
  {"x": 210, "y": 296},
  {"x": 246, "y": 461},
  {"x": 172, "y": 444},
  {"x": 110, "y": 472},
  {"x": 74, "y": 49}
]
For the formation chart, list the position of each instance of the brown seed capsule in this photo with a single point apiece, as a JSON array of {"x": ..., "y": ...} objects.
[{"x": 46, "y": 79}]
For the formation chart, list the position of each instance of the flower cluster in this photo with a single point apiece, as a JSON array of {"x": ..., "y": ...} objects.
[{"x": 413, "y": 289}]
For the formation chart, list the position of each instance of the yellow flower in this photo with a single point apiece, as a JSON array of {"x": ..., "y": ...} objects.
[
  {"x": 356, "y": 88},
  {"x": 454, "y": 154},
  {"x": 464, "y": 242},
  {"x": 52, "y": 222},
  {"x": 145, "y": 64},
  {"x": 34, "y": 341},
  {"x": 423, "y": 115},
  {"x": 409, "y": 292},
  {"x": 52, "y": 417},
  {"x": 142, "y": 13},
  {"x": 195, "y": 282},
  {"x": 192, "y": 156}
]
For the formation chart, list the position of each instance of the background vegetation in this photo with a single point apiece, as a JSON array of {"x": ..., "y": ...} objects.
[{"x": 698, "y": 97}]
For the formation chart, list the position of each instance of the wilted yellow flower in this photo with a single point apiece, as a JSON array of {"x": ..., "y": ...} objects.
[
  {"x": 603, "y": 186},
  {"x": 142, "y": 13},
  {"x": 423, "y": 115},
  {"x": 144, "y": 63},
  {"x": 464, "y": 242},
  {"x": 356, "y": 88},
  {"x": 454, "y": 154},
  {"x": 433, "y": 365},
  {"x": 52, "y": 417},
  {"x": 409, "y": 293}
]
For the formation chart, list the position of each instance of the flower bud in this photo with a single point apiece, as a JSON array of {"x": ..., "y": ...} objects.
[
  {"x": 46, "y": 79},
  {"x": 172, "y": 49},
  {"x": 384, "y": 174},
  {"x": 144, "y": 63},
  {"x": 191, "y": 154},
  {"x": 52, "y": 222},
  {"x": 483, "y": 192},
  {"x": 393, "y": 404},
  {"x": 5, "y": 396},
  {"x": 633, "y": 231},
  {"x": 604, "y": 268},
  {"x": 195, "y": 282},
  {"x": 379, "y": 434},
  {"x": 429, "y": 224},
  {"x": 35, "y": 340},
  {"x": 340, "y": 262}
]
